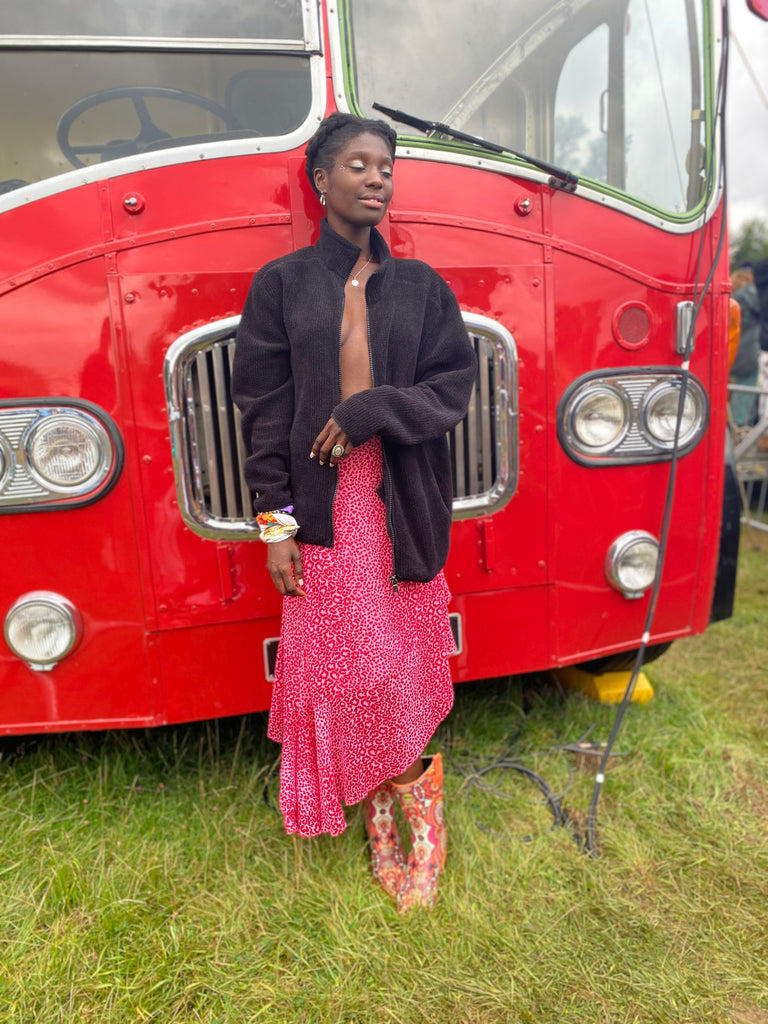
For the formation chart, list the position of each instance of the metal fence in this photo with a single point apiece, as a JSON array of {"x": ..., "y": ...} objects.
[{"x": 750, "y": 445}]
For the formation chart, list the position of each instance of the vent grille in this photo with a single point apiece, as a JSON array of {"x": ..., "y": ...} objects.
[
  {"x": 216, "y": 450},
  {"x": 208, "y": 452}
]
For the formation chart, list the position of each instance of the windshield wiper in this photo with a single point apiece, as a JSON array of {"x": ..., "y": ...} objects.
[{"x": 559, "y": 178}]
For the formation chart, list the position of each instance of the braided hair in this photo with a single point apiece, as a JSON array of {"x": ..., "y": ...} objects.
[{"x": 334, "y": 133}]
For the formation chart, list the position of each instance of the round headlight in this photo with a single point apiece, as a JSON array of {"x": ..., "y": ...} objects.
[
  {"x": 42, "y": 628},
  {"x": 630, "y": 565},
  {"x": 599, "y": 418},
  {"x": 660, "y": 414},
  {"x": 68, "y": 452}
]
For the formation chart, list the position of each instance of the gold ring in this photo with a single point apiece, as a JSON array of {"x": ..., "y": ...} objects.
[{"x": 337, "y": 451}]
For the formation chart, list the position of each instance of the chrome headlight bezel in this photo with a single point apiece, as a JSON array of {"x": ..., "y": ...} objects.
[
  {"x": 36, "y": 605},
  {"x": 92, "y": 433},
  {"x": 617, "y": 565},
  {"x": 640, "y": 390},
  {"x": 27, "y": 485},
  {"x": 6, "y": 462},
  {"x": 592, "y": 394},
  {"x": 664, "y": 392}
]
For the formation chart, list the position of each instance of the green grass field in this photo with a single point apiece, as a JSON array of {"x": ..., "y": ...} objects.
[{"x": 147, "y": 877}]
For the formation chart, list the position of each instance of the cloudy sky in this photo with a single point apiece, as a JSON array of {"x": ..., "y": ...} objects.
[{"x": 747, "y": 114}]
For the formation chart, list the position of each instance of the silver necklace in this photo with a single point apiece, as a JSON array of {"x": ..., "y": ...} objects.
[{"x": 355, "y": 283}]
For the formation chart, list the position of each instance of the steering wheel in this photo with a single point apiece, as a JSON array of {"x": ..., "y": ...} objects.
[{"x": 149, "y": 136}]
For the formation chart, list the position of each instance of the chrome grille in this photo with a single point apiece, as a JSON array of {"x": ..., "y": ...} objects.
[
  {"x": 216, "y": 447},
  {"x": 207, "y": 446}
]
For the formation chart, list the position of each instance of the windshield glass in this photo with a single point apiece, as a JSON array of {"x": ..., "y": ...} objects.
[
  {"x": 610, "y": 89},
  {"x": 167, "y": 19},
  {"x": 70, "y": 102}
]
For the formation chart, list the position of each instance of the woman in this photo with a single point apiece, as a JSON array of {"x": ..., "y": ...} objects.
[{"x": 350, "y": 368}]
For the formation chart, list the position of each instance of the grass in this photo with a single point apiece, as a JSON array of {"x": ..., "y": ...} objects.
[{"x": 147, "y": 877}]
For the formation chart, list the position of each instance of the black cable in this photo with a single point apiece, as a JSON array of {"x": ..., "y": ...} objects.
[
  {"x": 590, "y": 838},
  {"x": 558, "y": 814},
  {"x": 472, "y": 776}
]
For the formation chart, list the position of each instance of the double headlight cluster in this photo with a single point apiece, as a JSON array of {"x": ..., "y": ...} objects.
[
  {"x": 55, "y": 455},
  {"x": 615, "y": 417}
]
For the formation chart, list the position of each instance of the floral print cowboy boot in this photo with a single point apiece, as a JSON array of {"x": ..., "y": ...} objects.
[
  {"x": 422, "y": 804},
  {"x": 387, "y": 861}
]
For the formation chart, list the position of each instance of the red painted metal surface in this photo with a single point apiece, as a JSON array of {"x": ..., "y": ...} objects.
[{"x": 93, "y": 293}]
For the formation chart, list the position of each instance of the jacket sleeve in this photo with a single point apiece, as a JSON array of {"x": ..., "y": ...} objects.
[
  {"x": 262, "y": 389},
  {"x": 439, "y": 396}
]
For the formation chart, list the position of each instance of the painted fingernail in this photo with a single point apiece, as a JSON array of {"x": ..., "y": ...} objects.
[{"x": 301, "y": 584}]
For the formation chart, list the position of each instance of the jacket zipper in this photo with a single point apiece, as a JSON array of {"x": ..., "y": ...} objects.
[
  {"x": 338, "y": 364},
  {"x": 387, "y": 480}
]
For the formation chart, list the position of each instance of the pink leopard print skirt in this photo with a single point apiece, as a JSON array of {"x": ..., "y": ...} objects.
[{"x": 362, "y": 678}]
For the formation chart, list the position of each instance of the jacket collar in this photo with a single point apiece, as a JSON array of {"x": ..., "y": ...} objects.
[{"x": 340, "y": 256}]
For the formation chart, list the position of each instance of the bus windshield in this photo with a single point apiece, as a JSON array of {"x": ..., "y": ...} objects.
[
  {"x": 613, "y": 91},
  {"x": 86, "y": 81},
  {"x": 158, "y": 19}
]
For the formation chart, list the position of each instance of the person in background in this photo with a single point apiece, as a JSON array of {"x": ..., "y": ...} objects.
[
  {"x": 350, "y": 368},
  {"x": 746, "y": 364},
  {"x": 760, "y": 271}
]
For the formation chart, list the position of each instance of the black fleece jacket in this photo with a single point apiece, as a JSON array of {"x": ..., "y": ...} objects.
[{"x": 286, "y": 381}]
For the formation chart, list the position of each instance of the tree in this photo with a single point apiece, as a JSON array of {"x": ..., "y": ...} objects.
[{"x": 749, "y": 243}]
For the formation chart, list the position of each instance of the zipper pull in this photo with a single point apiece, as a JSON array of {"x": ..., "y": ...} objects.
[{"x": 393, "y": 581}]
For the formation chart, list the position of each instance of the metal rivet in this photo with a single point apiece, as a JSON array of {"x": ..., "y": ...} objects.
[{"x": 133, "y": 202}]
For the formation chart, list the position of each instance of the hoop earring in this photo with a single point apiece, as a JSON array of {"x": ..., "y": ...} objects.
[{"x": 322, "y": 198}]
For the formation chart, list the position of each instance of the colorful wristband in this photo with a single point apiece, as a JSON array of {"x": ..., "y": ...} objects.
[{"x": 275, "y": 526}]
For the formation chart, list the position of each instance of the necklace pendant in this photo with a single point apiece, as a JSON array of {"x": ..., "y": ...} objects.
[{"x": 355, "y": 284}]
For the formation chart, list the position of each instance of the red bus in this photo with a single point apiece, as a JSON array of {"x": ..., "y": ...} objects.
[{"x": 560, "y": 164}]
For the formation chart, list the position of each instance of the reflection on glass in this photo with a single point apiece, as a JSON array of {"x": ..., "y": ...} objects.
[
  {"x": 659, "y": 105},
  {"x": 582, "y": 92}
]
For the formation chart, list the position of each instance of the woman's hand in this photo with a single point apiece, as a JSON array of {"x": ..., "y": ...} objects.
[
  {"x": 285, "y": 568},
  {"x": 330, "y": 436}
]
